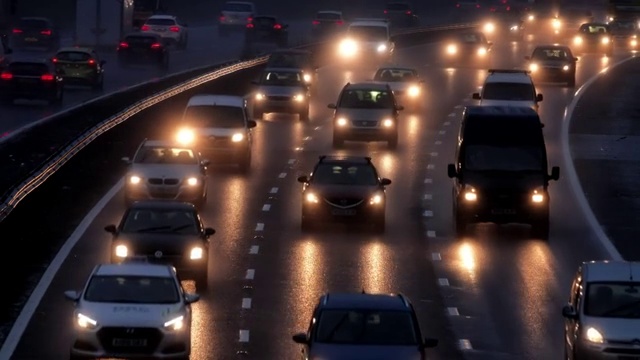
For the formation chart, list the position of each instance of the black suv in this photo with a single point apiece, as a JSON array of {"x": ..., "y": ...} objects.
[
  {"x": 296, "y": 59},
  {"x": 145, "y": 48},
  {"x": 501, "y": 169},
  {"x": 166, "y": 232},
  {"x": 31, "y": 79},
  {"x": 35, "y": 32},
  {"x": 364, "y": 326},
  {"x": 267, "y": 29},
  {"x": 344, "y": 189}
]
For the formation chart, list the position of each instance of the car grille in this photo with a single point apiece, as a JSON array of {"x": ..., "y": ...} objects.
[
  {"x": 279, "y": 98},
  {"x": 159, "y": 181},
  {"x": 343, "y": 202},
  {"x": 365, "y": 123},
  {"x": 129, "y": 340},
  {"x": 216, "y": 140}
]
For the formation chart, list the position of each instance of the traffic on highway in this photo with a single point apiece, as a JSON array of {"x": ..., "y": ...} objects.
[{"x": 363, "y": 201}]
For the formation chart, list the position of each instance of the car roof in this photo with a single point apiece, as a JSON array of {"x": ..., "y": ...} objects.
[
  {"x": 133, "y": 269},
  {"x": 365, "y": 301},
  {"x": 595, "y": 23},
  {"x": 216, "y": 100},
  {"x": 329, "y": 12},
  {"x": 611, "y": 271},
  {"x": 500, "y": 110},
  {"x": 509, "y": 76},
  {"x": 240, "y": 2},
  {"x": 164, "y": 143},
  {"x": 162, "y": 204},
  {"x": 283, "y": 69},
  {"x": 168, "y": 17},
  {"x": 552, "y": 46},
  {"x": 369, "y": 85},
  {"x": 333, "y": 159},
  {"x": 87, "y": 50}
]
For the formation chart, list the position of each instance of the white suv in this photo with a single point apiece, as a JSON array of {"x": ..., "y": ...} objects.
[
  {"x": 509, "y": 88},
  {"x": 367, "y": 39},
  {"x": 235, "y": 14},
  {"x": 171, "y": 29}
]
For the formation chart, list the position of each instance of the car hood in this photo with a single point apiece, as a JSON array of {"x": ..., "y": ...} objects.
[
  {"x": 167, "y": 243},
  {"x": 511, "y": 181},
  {"x": 134, "y": 315},
  {"x": 532, "y": 104},
  {"x": 616, "y": 329},
  {"x": 220, "y": 132},
  {"x": 364, "y": 114},
  {"x": 281, "y": 90},
  {"x": 364, "y": 352},
  {"x": 164, "y": 170}
]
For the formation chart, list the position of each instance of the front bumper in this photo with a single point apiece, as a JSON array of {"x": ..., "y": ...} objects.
[
  {"x": 591, "y": 351},
  {"x": 376, "y": 133},
  {"x": 188, "y": 269},
  {"x": 285, "y": 104},
  {"x": 322, "y": 211},
  {"x": 165, "y": 192},
  {"x": 553, "y": 73},
  {"x": 502, "y": 209},
  {"x": 38, "y": 92}
]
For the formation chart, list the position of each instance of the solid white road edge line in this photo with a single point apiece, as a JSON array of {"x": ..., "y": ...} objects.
[
  {"x": 36, "y": 296},
  {"x": 570, "y": 170}
]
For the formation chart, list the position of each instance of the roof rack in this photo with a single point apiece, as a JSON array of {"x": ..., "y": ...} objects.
[
  {"x": 509, "y": 71},
  {"x": 343, "y": 157}
]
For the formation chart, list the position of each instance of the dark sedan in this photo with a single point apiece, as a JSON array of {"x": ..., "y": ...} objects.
[
  {"x": 594, "y": 38},
  {"x": 296, "y": 59},
  {"x": 143, "y": 48},
  {"x": 35, "y": 32},
  {"x": 30, "y": 79},
  {"x": 345, "y": 189},
  {"x": 267, "y": 29},
  {"x": 469, "y": 47},
  {"x": 166, "y": 232},
  {"x": 554, "y": 63}
]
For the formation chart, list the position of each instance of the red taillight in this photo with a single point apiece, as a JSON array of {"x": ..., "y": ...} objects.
[
  {"x": 277, "y": 26},
  {"x": 6, "y": 76},
  {"x": 315, "y": 22},
  {"x": 47, "y": 77},
  {"x": 174, "y": 29},
  {"x": 55, "y": 60},
  {"x": 46, "y": 32},
  {"x": 339, "y": 22},
  {"x": 477, "y": 6},
  {"x": 249, "y": 26},
  {"x": 250, "y": 19},
  {"x": 156, "y": 46},
  {"x": 492, "y": 9},
  {"x": 457, "y": 5},
  {"x": 145, "y": 28},
  {"x": 221, "y": 17},
  {"x": 508, "y": 8},
  {"x": 386, "y": 11},
  {"x": 91, "y": 62},
  {"x": 17, "y": 31},
  {"x": 123, "y": 45},
  {"x": 408, "y": 12}
]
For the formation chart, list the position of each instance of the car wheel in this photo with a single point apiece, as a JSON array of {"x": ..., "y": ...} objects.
[
  {"x": 380, "y": 225},
  {"x": 540, "y": 228},
  {"x": 461, "y": 225},
  {"x": 257, "y": 113},
  {"x": 393, "y": 142},
  {"x": 304, "y": 115},
  {"x": 202, "y": 280},
  {"x": 337, "y": 141},
  {"x": 245, "y": 163}
]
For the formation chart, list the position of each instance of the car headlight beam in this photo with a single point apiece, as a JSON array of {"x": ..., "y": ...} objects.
[
  {"x": 348, "y": 48},
  {"x": 86, "y": 322},
  {"x": 452, "y": 49},
  {"x": 537, "y": 196},
  {"x": 307, "y": 78},
  {"x": 176, "y": 323},
  {"x": 312, "y": 198},
  {"x": 185, "y": 136},
  {"x": 298, "y": 98},
  {"x": 482, "y": 51},
  {"x": 196, "y": 253},
  {"x": 594, "y": 336},
  {"x": 122, "y": 251},
  {"x": 387, "y": 123},
  {"x": 376, "y": 199},
  {"x": 606, "y": 40},
  {"x": 470, "y": 194},
  {"x": 533, "y": 67},
  {"x": 192, "y": 181},
  {"x": 238, "y": 137},
  {"x": 260, "y": 96},
  {"x": 341, "y": 122},
  {"x": 414, "y": 91},
  {"x": 577, "y": 40},
  {"x": 382, "y": 48},
  {"x": 489, "y": 27},
  {"x": 565, "y": 68},
  {"x": 135, "y": 180}
]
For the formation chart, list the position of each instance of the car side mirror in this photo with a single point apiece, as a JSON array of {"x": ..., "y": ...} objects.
[
  {"x": 569, "y": 312},
  {"x": 527, "y": 57},
  {"x": 209, "y": 231},
  {"x": 451, "y": 171},
  {"x": 476, "y": 96},
  {"x": 332, "y": 106},
  {"x": 251, "y": 124},
  {"x": 205, "y": 162},
  {"x": 303, "y": 179},
  {"x": 555, "y": 173},
  {"x": 126, "y": 160},
  {"x": 539, "y": 97},
  {"x": 429, "y": 343},
  {"x": 191, "y": 298},
  {"x": 399, "y": 108},
  {"x": 300, "y": 338},
  {"x": 575, "y": 59},
  {"x": 72, "y": 295},
  {"x": 111, "y": 229},
  {"x": 385, "y": 182}
]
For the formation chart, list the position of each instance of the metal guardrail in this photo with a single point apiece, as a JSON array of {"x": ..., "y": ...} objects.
[{"x": 21, "y": 191}]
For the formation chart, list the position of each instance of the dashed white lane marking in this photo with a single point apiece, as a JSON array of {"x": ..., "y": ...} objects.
[
  {"x": 300, "y": 148},
  {"x": 434, "y": 154},
  {"x": 442, "y": 132},
  {"x": 292, "y": 161},
  {"x": 428, "y": 196},
  {"x": 443, "y": 282},
  {"x": 306, "y": 138},
  {"x": 431, "y": 167},
  {"x": 446, "y": 123},
  {"x": 431, "y": 233},
  {"x": 452, "y": 311},
  {"x": 436, "y": 257},
  {"x": 246, "y": 303},
  {"x": 317, "y": 128},
  {"x": 464, "y": 344},
  {"x": 266, "y": 207},
  {"x": 428, "y": 181},
  {"x": 251, "y": 273},
  {"x": 427, "y": 213},
  {"x": 452, "y": 114},
  {"x": 259, "y": 226},
  {"x": 244, "y": 336},
  {"x": 274, "y": 190},
  {"x": 254, "y": 249},
  {"x": 438, "y": 142},
  {"x": 282, "y": 175}
]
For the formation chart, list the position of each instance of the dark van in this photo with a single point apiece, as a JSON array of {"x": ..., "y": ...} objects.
[{"x": 500, "y": 174}]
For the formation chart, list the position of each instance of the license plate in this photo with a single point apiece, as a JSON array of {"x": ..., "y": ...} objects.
[
  {"x": 503, "y": 211},
  {"x": 28, "y": 81},
  {"x": 129, "y": 342},
  {"x": 343, "y": 212},
  {"x": 31, "y": 39},
  {"x": 159, "y": 29}
]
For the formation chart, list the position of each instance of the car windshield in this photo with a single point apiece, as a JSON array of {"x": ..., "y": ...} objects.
[
  {"x": 161, "y": 22},
  {"x": 146, "y": 220},
  {"x": 218, "y": 116},
  {"x": 282, "y": 78},
  {"x": 368, "y": 33},
  {"x": 398, "y": 7},
  {"x": 132, "y": 290},
  {"x": 500, "y": 158},
  {"x": 34, "y": 24},
  {"x": 165, "y": 155},
  {"x": 508, "y": 91},
  {"x": 290, "y": 60},
  {"x": 550, "y": 54},
  {"x": 366, "y": 99},
  {"x": 594, "y": 29},
  {"x": 328, "y": 16},
  {"x": 470, "y": 38},
  {"x": 73, "y": 56},
  {"x": 396, "y": 75},
  {"x": 236, "y": 7},
  {"x": 347, "y": 174},
  {"x": 366, "y": 327},
  {"x": 613, "y": 299}
]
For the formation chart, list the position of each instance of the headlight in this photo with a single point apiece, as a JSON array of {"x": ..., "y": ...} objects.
[
  {"x": 533, "y": 67},
  {"x": 594, "y": 336},
  {"x": 577, "y": 40},
  {"x": 192, "y": 181},
  {"x": 489, "y": 27},
  {"x": 237, "y": 137},
  {"x": 565, "y": 68},
  {"x": 556, "y": 23},
  {"x": 307, "y": 77},
  {"x": 196, "y": 253},
  {"x": 470, "y": 194},
  {"x": 175, "y": 324},
  {"x": 185, "y": 136},
  {"x": 531, "y": 17},
  {"x": 387, "y": 123},
  {"x": 298, "y": 98},
  {"x": 260, "y": 96},
  {"x": 537, "y": 196},
  {"x": 135, "y": 180},
  {"x": 606, "y": 40},
  {"x": 482, "y": 51},
  {"x": 514, "y": 28},
  {"x": 633, "y": 42},
  {"x": 376, "y": 199},
  {"x": 341, "y": 122},
  {"x": 86, "y": 322},
  {"x": 382, "y": 48},
  {"x": 122, "y": 251},
  {"x": 348, "y": 48},
  {"x": 312, "y": 198},
  {"x": 414, "y": 91},
  {"x": 452, "y": 49}
]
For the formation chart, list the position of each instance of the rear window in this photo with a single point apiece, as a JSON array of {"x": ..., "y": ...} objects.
[
  {"x": 73, "y": 56},
  {"x": 502, "y": 130},
  {"x": 34, "y": 24},
  {"x": 141, "y": 40},
  {"x": 397, "y": 7},
  {"x": 508, "y": 91},
  {"x": 235, "y": 7},
  {"x": 28, "y": 69},
  {"x": 165, "y": 22},
  {"x": 214, "y": 116},
  {"x": 328, "y": 16}
]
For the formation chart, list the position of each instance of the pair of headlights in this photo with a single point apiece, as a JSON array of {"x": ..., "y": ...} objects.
[
  {"x": 188, "y": 137},
  {"x": 578, "y": 40},
  {"x": 191, "y": 181},
  {"x": 86, "y": 322},
  {"x": 471, "y": 195},
  {"x": 535, "y": 67},
  {"x": 122, "y": 251},
  {"x": 314, "y": 199},
  {"x": 296, "y": 98},
  {"x": 342, "y": 122},
  {"x": 349, "y": 48}
]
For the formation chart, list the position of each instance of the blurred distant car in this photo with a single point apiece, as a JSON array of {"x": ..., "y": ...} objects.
[
  {"x": 468, "y": 48},
  {"x": 570, "y": 17},
  {"x": 295, "y": 59},
  {"x": 170, "y": 28},
  {"x": 235, "y": 14},
  {"x": 364, "y": 326},
  {"x": 467, "y": 5},
  {"x": 400, "y": 14},
  {"x": 282, "y": 90},
  {"x": 31, "y": 79},
  {"x": 367, "y": 40},
  {"x": 509, "y": 87},
  {"x": 499, "y": 6},
  {"x": 593, "y": 38},
  {"x": 327, "y": 23},
  {"x": 264, "y": 28},
  {"x": 143, "y": 48},
  {"x": 553, "y": 62},
  {"x": 540, "y": 21},
  {"x": 405, "y": 82},
  {"x": 35, "y": 32},
  {"x": 80, "y": 65},
  {"x": 343, "y": 189},
  {"x": 516, "y": 29},
  {"x": 625, "y": 33}
]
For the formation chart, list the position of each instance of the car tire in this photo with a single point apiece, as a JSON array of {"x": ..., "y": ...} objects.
[
  {"x": 202, "y": 280},
  {"x": 379, "y": 225},
  {"x": 338, "y": 142},
  {"x": 245, "y": 163},
  {"x": 304, "y": 115},
  {"x": 392, "y": 143},
  {"x": 540, "y": 228},
  {"x": 571, "y": 81},
  {"x": 460, "y": 225}
]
